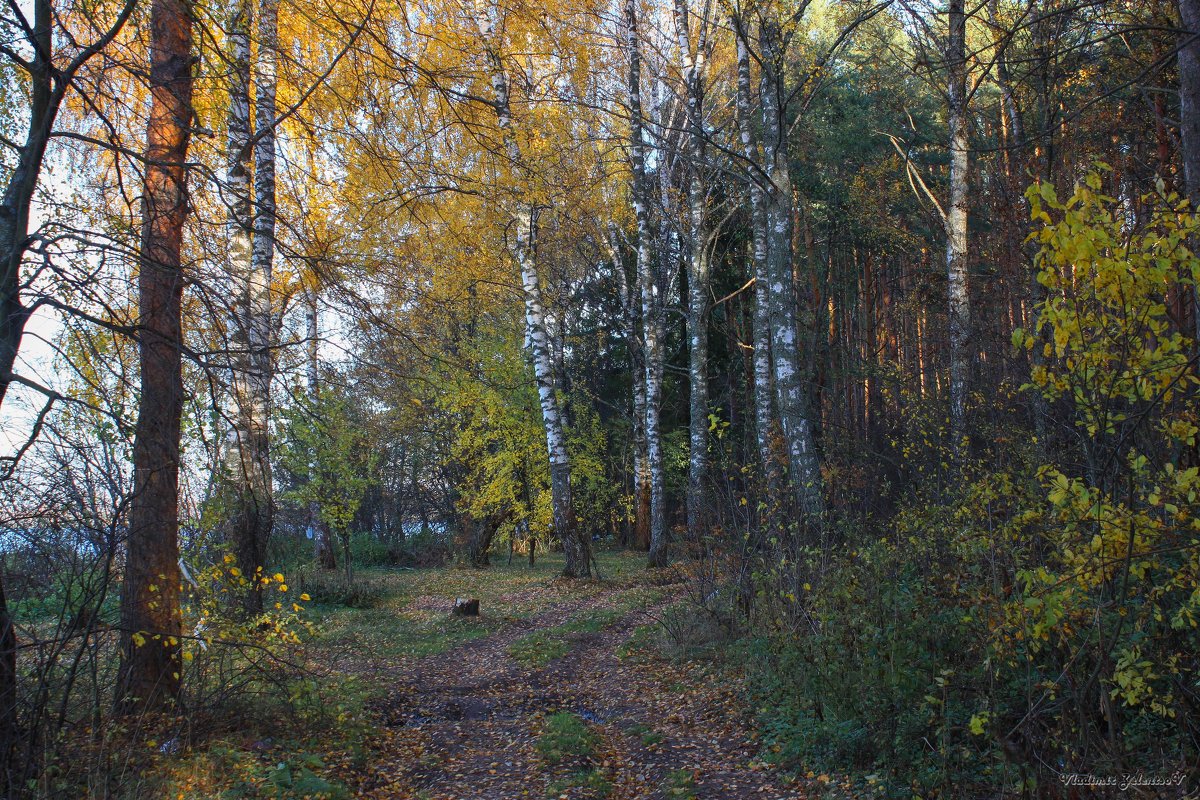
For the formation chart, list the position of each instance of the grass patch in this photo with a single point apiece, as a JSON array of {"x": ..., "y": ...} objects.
[
  {"x": 565, "y": 737},
  {"x": 681, "y": 784},
  {"x": 645, "y": 734},
  {"x": 541, "y": 647},
  {"x": 593, "y": 782}
]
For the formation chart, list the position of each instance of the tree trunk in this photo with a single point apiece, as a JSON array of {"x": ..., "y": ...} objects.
[
  {"x": 252, "y": 502},
  {"x": 763, "y": 403},
  {"x": 698, "y": 265},
  {"x": 148, "y": 676},
  {"x": 22, "y": 183},
  {"x": 804, "y": 469},
  {"x": 632, "y": 308},
  {"x": 651, "y": 308},
  {"x": 322, "y": 541},
  {"x": 959, "y": 303},
  {"x": 1189, "y": 115},
  {"x": 576, "y": 547}
]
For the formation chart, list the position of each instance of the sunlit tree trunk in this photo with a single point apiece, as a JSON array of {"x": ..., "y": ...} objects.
[
  {"x": 959, "y": 303},
  {"x": 804, "y": 470},
  {"x": 246, "y": 523},
  {"x": 576, "y": 547},
  {"x": 150, "y": 666},
  {"x": 692, "y": 52}
]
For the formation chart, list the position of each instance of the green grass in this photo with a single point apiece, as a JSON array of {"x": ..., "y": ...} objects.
[
  {"x": 541, "y": 647},
  {"x": 566, "y": 736},
  {"x": 593, "y": 782},
  {"x": 406, "y": 617},
  {"x": 647, "y": 735},
  {"x": 680, "y": 783}
]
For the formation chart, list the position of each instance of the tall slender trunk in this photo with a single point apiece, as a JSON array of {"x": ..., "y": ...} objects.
[
  {"x": 959, "y": 302},
  {"x": 632, "y": 310},
  {"x": 692, "y": 52},
  {"x": 1017, "y": 157},
  {"x": 764, "y": 415},
  {"x": 576, "y": 547},
  {"x": 1189, "y": 115},
  {"x": 258, "y": 508},
  {"x": 148, "y": 676},
  {"x": 652, "y": 500},
  {"x": 804, "y": 469},
  {"x": 248, "y": 540},
  {"x": 323, "y": 548}
]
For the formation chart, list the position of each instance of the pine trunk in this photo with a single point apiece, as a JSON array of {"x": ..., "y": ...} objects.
[{"x": 148, "y": 676}]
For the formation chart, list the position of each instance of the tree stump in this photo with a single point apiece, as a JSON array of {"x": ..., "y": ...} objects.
[{"x": 465, "y": 608}]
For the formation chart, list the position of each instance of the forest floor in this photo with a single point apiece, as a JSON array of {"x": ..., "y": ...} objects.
[
  {"x": 612, "y": 688},
  {"x": 559, "y": 704}
]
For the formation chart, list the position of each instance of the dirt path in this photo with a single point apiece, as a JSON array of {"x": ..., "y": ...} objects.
[{"x": 464, "y": 724}]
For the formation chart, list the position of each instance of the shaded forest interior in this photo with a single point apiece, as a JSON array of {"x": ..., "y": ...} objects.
[{"x": 805, "y": 389}]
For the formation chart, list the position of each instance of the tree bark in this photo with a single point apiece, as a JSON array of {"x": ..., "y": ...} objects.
[
  {"x": 323, "y": 548},
  {"x": 576, "y": 547},
  {"x": 252, "y": 486},
  {"x": 1189, "y": 115},
  {"x": 647, "y": 271},
  {"x": 804, "y": 469},
  {"x": 148, "y": 677},
  {"x": 764, "y": 417},
  {"x": 693, "y": 56},
  {"x": 959, "y": 303}
]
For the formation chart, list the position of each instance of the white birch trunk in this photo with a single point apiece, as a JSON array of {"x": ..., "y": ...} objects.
[
  {"x": 804, "y": 470},
  {"x": 693, "y": 57},
  {"x": 650, "y": 299},
  {"x": 250, "y": 524},
  {"x": 576, "y": 547},
  {"x": 959, "y": 304},
  {"x": 763, "y": 405}
]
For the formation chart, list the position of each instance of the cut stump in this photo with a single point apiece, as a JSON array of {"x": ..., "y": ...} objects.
[{"x": 465, "y": 608}]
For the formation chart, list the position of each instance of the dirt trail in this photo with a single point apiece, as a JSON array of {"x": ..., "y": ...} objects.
[{"x": 464, "y": 724}]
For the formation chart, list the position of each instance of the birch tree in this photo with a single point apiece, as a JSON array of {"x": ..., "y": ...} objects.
[
  {"x": 523, "y": 248},
  {"x": 693, "y": 53},
  {"x": 648, "y": 391},
  {"x": 251, "y": 480},
  {"x": 804, "y": 470},
  {"x": 959, "y": 303},
  {"x": 148, "y": 676},
  {"x": 764, "y": 414}
]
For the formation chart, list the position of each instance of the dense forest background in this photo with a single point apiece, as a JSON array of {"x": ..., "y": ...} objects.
[{"x": 873, "y": 323}]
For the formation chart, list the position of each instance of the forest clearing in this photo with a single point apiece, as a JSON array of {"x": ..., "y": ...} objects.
[{"x": 453, "y": 399}]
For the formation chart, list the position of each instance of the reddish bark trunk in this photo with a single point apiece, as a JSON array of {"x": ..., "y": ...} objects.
[{"x": 150, "y": 606}]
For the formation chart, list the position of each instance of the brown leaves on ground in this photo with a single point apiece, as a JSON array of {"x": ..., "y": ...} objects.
[{"x": 467, "y": 722}]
